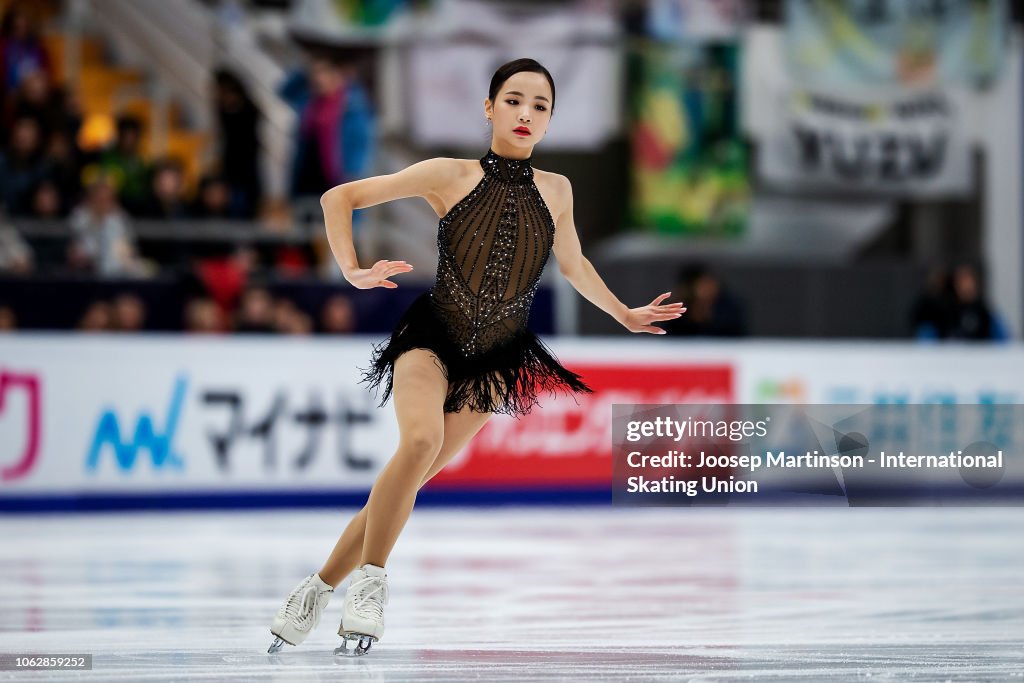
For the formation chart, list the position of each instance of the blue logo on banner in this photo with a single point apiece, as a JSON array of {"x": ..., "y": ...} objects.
[{"x": 108, "y": 432}]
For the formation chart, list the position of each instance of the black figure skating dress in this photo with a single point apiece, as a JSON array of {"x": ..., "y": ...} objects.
[{"x": 492, "y": 247}]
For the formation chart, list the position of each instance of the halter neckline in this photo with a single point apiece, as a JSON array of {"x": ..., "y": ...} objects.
[{"x": 509, "y": 170}]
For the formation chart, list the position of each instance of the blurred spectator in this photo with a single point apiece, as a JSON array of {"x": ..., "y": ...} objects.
[
  {"x": 711, "y": 309},
  {"x": 16, "y": 255},
  {"x": 952, "y": 306},
  {"x": 8, "y": 321},
  {"x": 123, "y": 164},
  {"x": 336, "y": 127},
  {"x": 238, "y": 146},
  {"x": 46, "y": 202},
  {"x": 98, "y": 317},
  {"x": 129, "y": 313},
  {"x": 299, "y": 324},
  {"x": 288, "y": 319},
  {"x": 167, "y": 192},
  {"x": 203, "y": 316},
  {"x": 64, "y": 169},
  {"x": 338, "y": 315},
  {"x": 224, "y": 278},
  {"x": 213, "y": 200},
  {"x": 21, "y": 51},
  {"x": 971, "y": 317},
  {"x": 36, "y": 98},
  {"x": 22, "y": 166},
  {"x": 932, "y": 313},
  {"x": 101, "y": 238},
  {"x": 291, "y": 261},
  {"x": 256, "y": 313}
]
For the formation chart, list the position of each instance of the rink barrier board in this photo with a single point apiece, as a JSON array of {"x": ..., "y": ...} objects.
[
  {"x": 235, "y": 500},
  {"x": 104, "y": 420},
  {"x": 594, "y": 497}
]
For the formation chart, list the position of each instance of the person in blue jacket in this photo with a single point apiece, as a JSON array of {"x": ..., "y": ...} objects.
[{"x": 335, "y": 135}]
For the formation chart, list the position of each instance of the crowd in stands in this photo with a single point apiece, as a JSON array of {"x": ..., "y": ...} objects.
[
  {"x": 259, "y": 312},
  {"x": 49, "y": 165},
  {"x": 51, "y": 169}
]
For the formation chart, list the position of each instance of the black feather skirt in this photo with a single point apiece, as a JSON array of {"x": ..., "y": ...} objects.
[{"x": 505, "y": 379}]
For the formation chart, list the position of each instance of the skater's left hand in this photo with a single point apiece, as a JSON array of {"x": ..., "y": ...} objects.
[{"x": 640, "y": 319}]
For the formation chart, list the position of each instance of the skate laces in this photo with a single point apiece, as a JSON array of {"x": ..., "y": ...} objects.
[
  {"x": 300, "y": 609},
  {"x": 370, "y": 594}
]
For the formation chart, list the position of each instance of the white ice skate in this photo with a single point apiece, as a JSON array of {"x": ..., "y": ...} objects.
[
  {"x": 301, "y": 612},
  {"x": 363, "y": 619}
]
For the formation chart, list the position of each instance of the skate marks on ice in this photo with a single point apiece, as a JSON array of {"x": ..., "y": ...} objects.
[
  {"x": 537, "y": 593},
  {"x": 841, "y": 663}
]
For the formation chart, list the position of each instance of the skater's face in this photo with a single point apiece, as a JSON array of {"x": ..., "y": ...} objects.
[{"x": 523, "y": 102}]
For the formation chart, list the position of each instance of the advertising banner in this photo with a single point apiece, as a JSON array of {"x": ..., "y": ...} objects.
[
  {"x": 567, "y": 443},
  {"x": 161, "y": 421},
  {"x": 183, "y": 415}
]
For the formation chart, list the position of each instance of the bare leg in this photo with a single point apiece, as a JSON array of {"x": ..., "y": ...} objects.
[
  {"x": 419, "y": 393},
  {"x": 347, "y": 551},
  {"x": 459, "y": 428}
]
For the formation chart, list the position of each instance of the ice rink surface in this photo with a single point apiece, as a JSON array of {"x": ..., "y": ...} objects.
[{"x": 518, "y": 594}]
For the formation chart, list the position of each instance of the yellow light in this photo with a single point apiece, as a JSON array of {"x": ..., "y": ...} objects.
[{"x": 97, "y": 131}]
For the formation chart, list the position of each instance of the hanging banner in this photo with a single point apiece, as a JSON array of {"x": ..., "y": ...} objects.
[
  {"x": 896, "y": 144},
  {"x": 695, "y": 20},
  {"x": 453, "y": 52},
  {"x": 689, "y": 170},
  {"x": 448, "y": 86},
  {"x": 905, "y": 42}
]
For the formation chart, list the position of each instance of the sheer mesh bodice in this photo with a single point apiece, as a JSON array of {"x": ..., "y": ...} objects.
[{"x": 492, "y": 247}]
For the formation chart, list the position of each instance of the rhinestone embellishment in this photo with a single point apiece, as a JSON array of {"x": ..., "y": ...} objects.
[{"x": 491, "y": 255}]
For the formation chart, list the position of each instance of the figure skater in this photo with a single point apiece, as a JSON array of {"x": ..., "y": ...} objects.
[{"x": 462, "y": 350}]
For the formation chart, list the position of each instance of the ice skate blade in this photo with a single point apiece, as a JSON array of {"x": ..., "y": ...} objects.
[
  {"x": 277, "y": 645},
  {"x": 363, "y": 643}
]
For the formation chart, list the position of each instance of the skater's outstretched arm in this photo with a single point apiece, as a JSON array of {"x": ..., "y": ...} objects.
[
  {"x": 419, "y": 180},
  {"x": 578, "y": 270}
]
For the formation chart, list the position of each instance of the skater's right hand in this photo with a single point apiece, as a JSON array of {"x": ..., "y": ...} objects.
[{"x": 377, "y": 276}]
